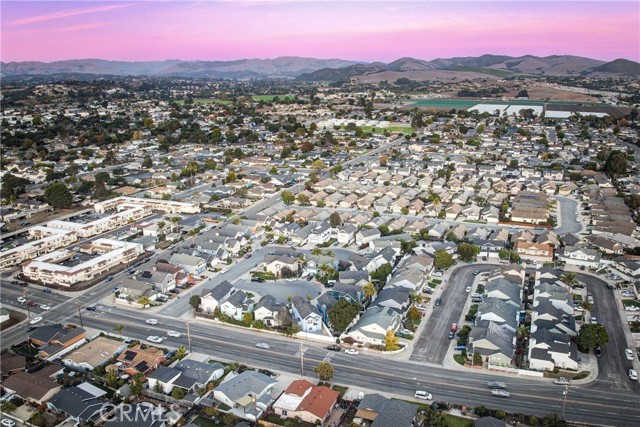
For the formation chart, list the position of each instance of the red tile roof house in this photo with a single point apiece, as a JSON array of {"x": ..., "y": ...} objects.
[{"x": 303, "y": 400}]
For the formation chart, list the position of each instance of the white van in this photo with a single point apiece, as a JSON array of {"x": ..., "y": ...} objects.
[{"x": 423, "y": 395}]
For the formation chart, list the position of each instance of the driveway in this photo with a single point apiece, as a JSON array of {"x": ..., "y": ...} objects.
[{"x": 567, "y": 219}]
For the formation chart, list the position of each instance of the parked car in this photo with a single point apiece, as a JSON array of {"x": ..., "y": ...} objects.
[
  {"x": 352, "y": 351},
  {"x": 468, "y": 289},
  {"x": 451, "y": 335},
  {"x": 290, "y": 279},
  {"x": 36, "y": 320},
  {"x": 22, "y": 300},
  {"x": 597, "y": 351},
  {"x": 633, "y": 375},
  {"x": 155, "y": 339},
  {"x": 628, "y": 354},
  {"x": 562, "y": 381},
  {"x": 257, "y": 279},
  {"x": 438, "y": 301},
  {"x": 438, "y": 273},
  {"x": 46, "y": 290},
  {"x": 91, "y": 308},
  {"x": 6, "y": 422},
  {"x": 174, "y": 334},
  {"x": 151, "y": 321},
  {"x": 32, "y": 303},
  {"x": 422, "y": 395},
  {"x": 263, "y": 345},
  {"x": 31, "y": 328},
  {"x": 578, "y": 308},
  {"x": 45, "y": 307},
  {"x": 460, "y": 347},
  {"x": 334, "y": 347},
  {"x": 476, "y": 272}
]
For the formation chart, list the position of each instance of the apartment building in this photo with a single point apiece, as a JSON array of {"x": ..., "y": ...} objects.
[
  {"x": 167, "y": 206},
  {"x": 48, "y": 240}
]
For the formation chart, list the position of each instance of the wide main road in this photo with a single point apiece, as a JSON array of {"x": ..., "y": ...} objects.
[{"x": 589, "y": 405}]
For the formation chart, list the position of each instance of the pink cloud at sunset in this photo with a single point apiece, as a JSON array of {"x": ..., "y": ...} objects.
[{"x": 357, "y": 30}]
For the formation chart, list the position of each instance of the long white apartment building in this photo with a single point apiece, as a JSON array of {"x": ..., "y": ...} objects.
[
  {"x": 168, "y": 206},
  {"x": 127, "y": 212},
  {"x": 107, "y": 254},
  {"x": 48, "y": 240}
]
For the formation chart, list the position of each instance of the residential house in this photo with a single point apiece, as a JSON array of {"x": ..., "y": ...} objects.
[
  {"x": 210, "y": 299},
  {"x": 95, "y": 353},
  {"x": 396, "y": 298},
  {"x": 579, "y": 256},
  {"x": 548, "y": 350},
  {"x": 350, "y": 277},
  {"x": 275, "y": 264},
  {"x": 10, "y": 365},
  {"x": 379, "y": 411},
  {"x": 500, "y": 312},
  {"x": 191, "y": 264},
  {"x": 539, "y": 252},
  {"x": 237, "y": 305},
  {"x": 494, "y": 343},
  {"x": 346, "y": 234},
  {"x": 83, "y": 403},
  {"x": 304, "y": 401},
  {"x": 373, "y": 325},
  {"x": 54, "y": 339},
  {"x": 307, "y": 316},
  {"x": 248, "y": 395},
  {"x": 187, "y": 374},
  {"x": 410, "y": 279},
  {"x": 140, "y": 360},
  {"x": 36, "y": 387},
  {"x": 266, "y": 311}
]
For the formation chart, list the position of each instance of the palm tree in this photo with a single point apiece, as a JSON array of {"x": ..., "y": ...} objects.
[
  {"x": 181, "y": 352},
  {"x": 369, "y": 290},
  {"x": 569, "y": 279},
  {"x": 316, "y": 251},
  {"x": 587, "y": 307},
  {"x": 118, "y": 329},
  {"x": 144, "y": 300}
]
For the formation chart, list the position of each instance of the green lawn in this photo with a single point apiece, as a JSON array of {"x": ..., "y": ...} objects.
[
  {"x": 392, "y": 129},
  {"x": 263, "y": 275},
  {"x": 342, "y": 390},
  {"x": 627, "y": 303},
  {"x": 206, "y": 101},
  {"x": 453, "y": 421},
  {"x": 459, "y": 358},
  {"x": 204, "y": 422},
  {"x": 269, "y": 98}
]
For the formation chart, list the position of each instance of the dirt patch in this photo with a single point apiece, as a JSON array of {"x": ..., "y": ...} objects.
[{"x": 543, "y": 92}]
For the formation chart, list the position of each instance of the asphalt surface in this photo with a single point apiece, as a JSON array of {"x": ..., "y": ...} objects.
[
  {"x": 613, "y": 366},
  {"x": 568, "y": 222},
  {"x": 590, "y": 405},
  {"x": 432, "y": 344}
]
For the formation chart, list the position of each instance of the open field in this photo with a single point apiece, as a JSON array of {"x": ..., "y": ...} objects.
[
  {"x": 206, "y": 101},
  {"x": 269, "y": 98},
  {"x": 468, "y": 103}
]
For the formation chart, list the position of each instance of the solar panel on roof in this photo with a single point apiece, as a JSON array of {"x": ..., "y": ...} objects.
[
  {"x": 142, "y": 367},
  {"x": 147, "y": 274},
  {"x": 129, "y": 355}
]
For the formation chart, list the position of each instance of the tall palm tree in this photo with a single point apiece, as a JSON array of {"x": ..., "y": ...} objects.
[
  {"x": 118, "y": 329},
  {"x": 587, "y": 307},
  {"x": 369, "y": 290},
  {"x": 569, "y": 279}
]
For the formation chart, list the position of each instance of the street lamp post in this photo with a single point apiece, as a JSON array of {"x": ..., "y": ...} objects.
[
  {"x": 188, "y": 336},
  {"x": 565, "y": 392},
  {"x": 79, "y": 312},
  {"x": 26, "y": 293}
]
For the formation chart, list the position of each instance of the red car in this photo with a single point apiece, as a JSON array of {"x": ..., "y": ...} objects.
[{"x": 32, "y": 304}]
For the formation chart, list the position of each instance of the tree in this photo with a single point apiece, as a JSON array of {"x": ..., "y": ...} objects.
[
  {"x": 177, "y": 393},
  {"x": 334, "y": 219},
  {"x": 569, "y": 279},
  {"x": 391, "y": 341},
  {"x": 144, "y": 300},
  {"x": 382, "y": 273},
  {"x": 504, "y": 254},
  {"x": 342, "y": 314},
  {"x": 303, "y": 199},
  {"x": 8, "y": 407},
  {"x": 443, "y": 260},
  {"x": 383, "y": 160},
  {"x": 247, "y": 318},
  {"x": 414, "y": 314},
  {"x": 369, "y": 290},
  {"x": 287, "y": 197},
  {"x": 194, "y": 301},
  {"x": 467, "y": 251},
  {"x": 318, "y": 165},
  {"x": 147, "y": 163},
  {"x": 324, "y": 370},
  {"x": 592, "y": 336},
  {"x": 586, "y": 305},
  {"x": 58, "y": 196},
  {"x": 616, "y": 164},
  {"x": 111, "y": 377},
  {"x": 118, "y": 329}
]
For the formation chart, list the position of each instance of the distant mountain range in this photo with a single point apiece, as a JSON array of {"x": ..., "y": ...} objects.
[{"x": 311, "y": 69}]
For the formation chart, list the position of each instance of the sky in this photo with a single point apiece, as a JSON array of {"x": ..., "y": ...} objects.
[{"x": 361, "y": 30}]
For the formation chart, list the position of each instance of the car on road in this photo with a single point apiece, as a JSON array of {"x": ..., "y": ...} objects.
[
  {"x": 22, "y": 300},
  {"x": 151, "y": 321},
  {"x": 6, "y": 422},
  {"x": 91, "y": 308},
  {"x": 352, "y": 351},
  {"x": 496, "y": 385},
  {"x": 562, "y": 381},
  {"x": 334, "y": 347},
  {"x": 628, "y": 354},
  {"x": 31, "y": 328},
  {"x": 46, "y": 290},
  {"x": 109, "y": 278},
  {"x": 36, "y": 320},
  {"x": 422, "y": 395},
  {"x": 476, "y": 272},
  {"x": 32, "y": 303},
  {"x": 290, "y": 279},
  {"x": 500, "y": 393},
  {"x": 597, "y": 351},
  {"x": 468, "y": 289},
  {"x": 257, "y": 279},
  {"x": 438, "y": 301},
  {"x": 593, "y": 320},
  {"x": 45, "y": 307},
  {"x": 174, "y": 334},
  {"x": 224, "y": 270},
  {"x": 633, "y": 375},
  {"x": 263, "y": 345},
  {"x": 155, "y": 339},
  {"x": 451, "y": 335}
]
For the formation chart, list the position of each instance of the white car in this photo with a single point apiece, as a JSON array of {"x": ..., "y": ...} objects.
[
  {"x": 155, "y": 339},
  {"x": 628, "y": 354},
  {"x": 22, "y": 300},
  {"x": 423, "y": 395},
  {"x": 152, "y": 321},
  {"x": 438, "y": 274},
  {"x": 290, "y": 279},
  {"x": 224, "y": 270},
  {"x": 578, "y": 308},
  {"x": 352, "y": 351},
  {"x": 36, "y": 320},
  {"x": 6, "y": 422},
  {"x": 45, "y": 307},
  {"x": 174, "y": 334},
  {"x": 594, "y": 320},
  {"x": 633, "y": 374},
  {"x": 632, "y": 308},
  {"x": 468, "y": 289},
  {"x": 263, "y": 345}
]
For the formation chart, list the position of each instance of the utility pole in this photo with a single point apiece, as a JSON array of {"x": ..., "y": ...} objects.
[
  {"x": 564, "y": 401},
  {"x": 26, "y": 293},
  {"x": 79, "y": 312},
  {"x": 302, "y": 351},
  {"x": 188, "y": 336}
]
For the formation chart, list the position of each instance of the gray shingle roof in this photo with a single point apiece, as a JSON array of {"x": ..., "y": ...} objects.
[
  {"x": 219, "y": 291},
  {"x": 244, "y": 383},
  {"x": 391, "y": 413}
]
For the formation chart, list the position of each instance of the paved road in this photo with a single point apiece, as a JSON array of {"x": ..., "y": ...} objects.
[
  {"x": 567, "y": 218},
  {"x": 593, "y": 405},
  {"x": 433, "y": 343},
  {"x": 613, "y": 365}
]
